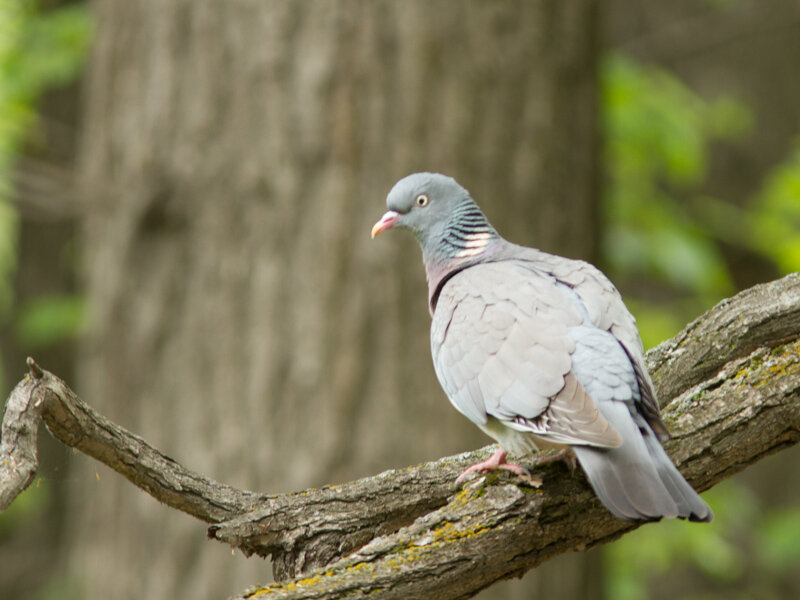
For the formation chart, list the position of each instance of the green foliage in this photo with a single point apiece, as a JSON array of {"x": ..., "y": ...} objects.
[
  {"x": 657, "y": 134},
  {"x": 779, "y": 540},
  {"x": 49, "y": 320},
  {"x": 722, "y": 552},
  {"x": 38, "y": 50},
  {"x": 653, "y": 550},
  {"x": 61, "y": 587},
  {"x": 26, "y": 508},
  {"x": 657, "y": 324},
  {"x": 776, "y": 214},
  {"x": 8, "y": 254},
  {"x": 663, "y": 230},
  {"x": 49, "y": 49}
]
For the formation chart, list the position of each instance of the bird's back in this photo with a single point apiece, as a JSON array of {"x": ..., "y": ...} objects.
[{"x": 542, "y": 346}]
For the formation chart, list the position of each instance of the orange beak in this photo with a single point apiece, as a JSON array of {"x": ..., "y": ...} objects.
[{"x": 387, "y": 222}]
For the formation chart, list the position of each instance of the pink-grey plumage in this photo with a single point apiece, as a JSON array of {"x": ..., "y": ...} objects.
[{"x": 539, "y": 350}]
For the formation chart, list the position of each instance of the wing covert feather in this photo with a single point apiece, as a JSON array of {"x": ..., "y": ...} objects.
[
  {"x": 607, "y": 311},
  {"x": 502, "y": 348}
]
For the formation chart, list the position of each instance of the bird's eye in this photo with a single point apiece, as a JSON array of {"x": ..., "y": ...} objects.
[{"x": 422, "y": 200}]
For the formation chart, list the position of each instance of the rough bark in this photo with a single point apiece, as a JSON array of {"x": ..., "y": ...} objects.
[
  {"x": 19, "y": 442},
  {"x": 235, "y": 156},
  {"x": 413, "y": 533}
]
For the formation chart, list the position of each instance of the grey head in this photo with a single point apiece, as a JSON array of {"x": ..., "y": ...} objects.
[{"x": 441, "y": 214}]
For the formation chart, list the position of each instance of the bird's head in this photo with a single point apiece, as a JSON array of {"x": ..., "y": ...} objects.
[{"x": 430, "y": 205}]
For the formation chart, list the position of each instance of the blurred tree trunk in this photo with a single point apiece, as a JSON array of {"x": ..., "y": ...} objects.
[{"x": 235, "y": 156}]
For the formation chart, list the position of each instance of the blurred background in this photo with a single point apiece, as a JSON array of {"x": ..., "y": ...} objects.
[{"x": 186, "y": 193}]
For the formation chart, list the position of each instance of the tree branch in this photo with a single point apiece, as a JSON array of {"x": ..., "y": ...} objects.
[
  {"x": 732, "y": 381},
  {"x": 19, "y": 437},
  {"x": 73, "y": 422}
]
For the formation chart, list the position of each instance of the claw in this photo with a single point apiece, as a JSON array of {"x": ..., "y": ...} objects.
[{"x": 497, "y": 462}]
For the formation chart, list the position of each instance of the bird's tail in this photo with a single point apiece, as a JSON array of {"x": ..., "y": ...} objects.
[{"x": 638, "y": 481}]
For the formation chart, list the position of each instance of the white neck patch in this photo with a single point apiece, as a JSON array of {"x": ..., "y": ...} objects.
[{"x": 474, "y": 244}]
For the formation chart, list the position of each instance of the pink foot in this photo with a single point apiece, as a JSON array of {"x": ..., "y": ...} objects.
[{"x": 495, "y": 462}]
